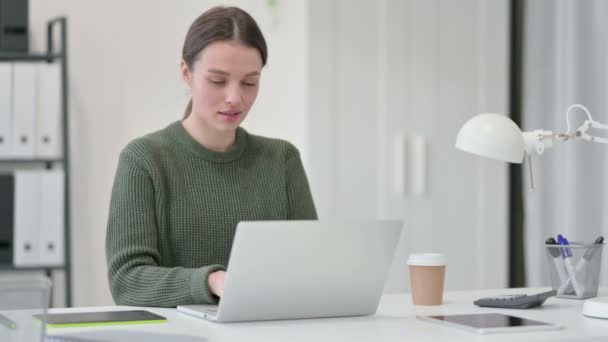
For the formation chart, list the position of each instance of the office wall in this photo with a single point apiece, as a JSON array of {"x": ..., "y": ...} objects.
[
  {"x": 124, "y": 82},
  {"x": 392, "y": 77}
]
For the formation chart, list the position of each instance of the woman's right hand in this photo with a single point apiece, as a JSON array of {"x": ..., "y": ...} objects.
[{"x": 215, "y": 282}]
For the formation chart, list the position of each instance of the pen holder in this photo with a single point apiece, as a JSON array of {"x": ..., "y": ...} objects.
[{"x": 575, "y": 269}]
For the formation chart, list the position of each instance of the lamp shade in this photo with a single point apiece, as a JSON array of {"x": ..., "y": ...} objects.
[{"x": 493, "y": 136}]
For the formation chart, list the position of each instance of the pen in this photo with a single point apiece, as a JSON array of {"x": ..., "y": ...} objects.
[
  {"x": 559, "y": 265},
  {"x": 567, "y": 256},
  {"x": 589, "y": 254},
  {"x": 7, "y": 322}
]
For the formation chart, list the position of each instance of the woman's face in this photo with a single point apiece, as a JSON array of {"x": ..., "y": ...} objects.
[{"x": 224, "y": 81}]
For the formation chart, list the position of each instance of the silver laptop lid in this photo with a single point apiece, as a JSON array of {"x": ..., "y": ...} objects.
[{"x": 306, "y": 269}]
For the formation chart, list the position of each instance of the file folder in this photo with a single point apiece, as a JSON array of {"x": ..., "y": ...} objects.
[
  {"x": 6, "y": 125},
  {"x": 26, "y": 251},
  {"x": 24, "y": 109},
  {"x": 48, "y": 135},
  {"x": 51, "y": 218}
]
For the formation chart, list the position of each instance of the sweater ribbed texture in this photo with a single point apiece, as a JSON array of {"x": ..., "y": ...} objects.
[{"x": 175, "y": 206}]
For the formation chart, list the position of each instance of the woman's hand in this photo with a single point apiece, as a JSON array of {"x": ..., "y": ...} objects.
[{"x": 215, "y": 281}]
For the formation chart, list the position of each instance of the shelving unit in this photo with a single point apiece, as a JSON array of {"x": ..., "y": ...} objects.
[{"x": 57, "y": 26}]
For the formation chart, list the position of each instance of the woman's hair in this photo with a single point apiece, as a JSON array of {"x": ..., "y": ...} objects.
[{"x": 221, "y": 24}]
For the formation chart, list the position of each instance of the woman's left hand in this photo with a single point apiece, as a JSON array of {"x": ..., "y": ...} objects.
[{"x": 215, "y": 282}]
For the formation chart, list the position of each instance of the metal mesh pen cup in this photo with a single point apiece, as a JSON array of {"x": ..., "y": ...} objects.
[{"x": 575, "y": 269}]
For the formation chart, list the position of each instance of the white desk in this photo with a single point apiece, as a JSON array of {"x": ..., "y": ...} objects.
[{"x": 395, "y": 320}]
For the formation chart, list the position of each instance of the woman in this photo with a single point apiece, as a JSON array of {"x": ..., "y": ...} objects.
[{"x": 179, "y": 192}]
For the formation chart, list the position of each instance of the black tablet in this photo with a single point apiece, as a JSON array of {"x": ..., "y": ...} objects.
[
  {"x": 487, "y": 323},
  {"x": 87, "y": 319}
]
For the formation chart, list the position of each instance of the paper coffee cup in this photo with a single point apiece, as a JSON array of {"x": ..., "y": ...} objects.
[{"x": 427, "y": 277}]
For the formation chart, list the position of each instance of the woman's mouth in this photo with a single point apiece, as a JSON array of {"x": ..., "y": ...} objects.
[{"x": 230, "y": 115}]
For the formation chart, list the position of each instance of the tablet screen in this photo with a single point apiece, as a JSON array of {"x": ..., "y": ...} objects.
[
  {"x": 489, "y": 322},
  {"x": 492, "y": 320}
]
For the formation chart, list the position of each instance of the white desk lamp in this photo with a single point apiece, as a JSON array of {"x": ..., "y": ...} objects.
[{"x": 498, "y": 137}]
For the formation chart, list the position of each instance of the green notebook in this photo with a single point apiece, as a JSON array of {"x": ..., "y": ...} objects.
[{"x": 95, "y": 319}]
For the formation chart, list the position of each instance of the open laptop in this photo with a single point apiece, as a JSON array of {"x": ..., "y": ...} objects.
[{"x": 304, "y": 269}]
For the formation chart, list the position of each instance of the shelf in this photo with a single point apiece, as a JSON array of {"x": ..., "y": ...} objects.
[
  {"x": 31, "y": 161},
  {"x": 55, "y": 28},
  {"x": 22, "y": 56},
  {"x": 11, "y": 267}
]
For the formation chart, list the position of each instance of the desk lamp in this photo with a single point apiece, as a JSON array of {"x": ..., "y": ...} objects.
[{"x": 497, "y": 137}]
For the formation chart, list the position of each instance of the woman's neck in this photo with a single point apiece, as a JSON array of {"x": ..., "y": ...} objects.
[{"x": 208, "y": 138}]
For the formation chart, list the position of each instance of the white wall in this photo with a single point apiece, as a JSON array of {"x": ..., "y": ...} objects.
[
  {"x": 124, "y": 82},
  {"x": 408, "y": 68}
]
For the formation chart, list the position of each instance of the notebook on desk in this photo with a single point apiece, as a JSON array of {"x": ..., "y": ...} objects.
[
  {"x": 122, "y": 336},
  {"x": 304, "y": 269},
  {"x": 101, "y": 318}
]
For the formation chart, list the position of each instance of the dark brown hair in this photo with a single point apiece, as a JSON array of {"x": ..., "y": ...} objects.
[{"x": 221, "y": 24}]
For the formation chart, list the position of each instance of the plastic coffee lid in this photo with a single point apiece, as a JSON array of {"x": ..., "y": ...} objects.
[{"x": 426, "y": 259}]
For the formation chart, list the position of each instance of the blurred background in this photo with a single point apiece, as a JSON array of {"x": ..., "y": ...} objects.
[{"x": 373, "y": 94}]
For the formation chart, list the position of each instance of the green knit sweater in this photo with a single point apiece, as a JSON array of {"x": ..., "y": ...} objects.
[{"x": 175, "y": 206}]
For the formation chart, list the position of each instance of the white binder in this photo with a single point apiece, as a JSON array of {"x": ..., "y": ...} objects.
[
  {"x": 51, "y": 218},
  {"x": 26, "y": 234},
  {"x": 6, "y": 125},
  {"x": 48, "y": 135},
  {"x": 24, "y": 109}
]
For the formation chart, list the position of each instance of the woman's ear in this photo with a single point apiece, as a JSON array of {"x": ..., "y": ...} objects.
[{"x": 186, "y": 74}]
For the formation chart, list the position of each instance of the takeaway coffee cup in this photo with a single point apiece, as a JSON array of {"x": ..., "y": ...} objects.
[{"x": 427, "y": 276}]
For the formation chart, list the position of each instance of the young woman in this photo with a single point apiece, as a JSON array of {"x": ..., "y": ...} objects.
[{"x": 179, "y": 192}]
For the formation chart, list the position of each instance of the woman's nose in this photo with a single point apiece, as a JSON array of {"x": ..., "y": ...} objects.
[{"x": 234, "y": 95}]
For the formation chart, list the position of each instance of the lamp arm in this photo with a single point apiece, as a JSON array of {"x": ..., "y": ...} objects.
[
  {"x": 539, "y": 140},
  {"x": 581, "y": 132}
]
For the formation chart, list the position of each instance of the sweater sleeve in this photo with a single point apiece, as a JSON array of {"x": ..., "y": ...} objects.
[
  {"x": 132, "y": 248},
  {"x": 301, "y": 204}
]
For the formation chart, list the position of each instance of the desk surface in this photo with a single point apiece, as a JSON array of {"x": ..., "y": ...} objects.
[{"x": 395, "y": 320}]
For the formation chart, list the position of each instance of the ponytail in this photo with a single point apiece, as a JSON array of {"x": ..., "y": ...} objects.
[{"x": 188, "y": 109}]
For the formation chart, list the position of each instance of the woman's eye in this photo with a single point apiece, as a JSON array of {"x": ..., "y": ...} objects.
[
  {"x": 217, "y": 82},
  {"x": 249, "y": 84}
]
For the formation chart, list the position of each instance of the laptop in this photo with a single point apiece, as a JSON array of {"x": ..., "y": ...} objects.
[{"x": 304, "y": 269}]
